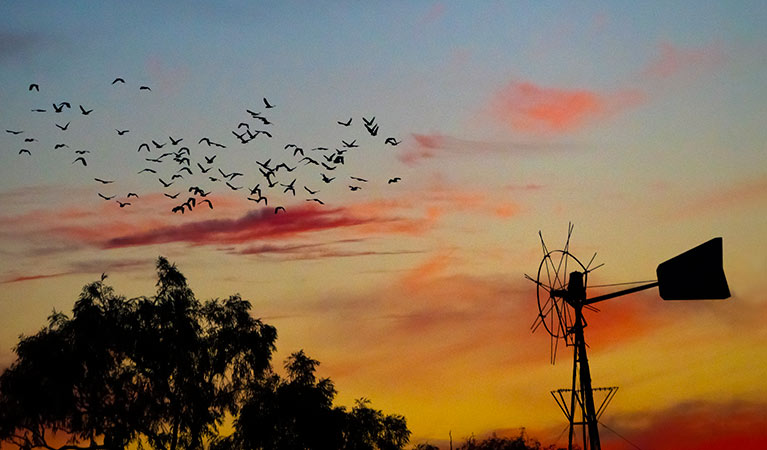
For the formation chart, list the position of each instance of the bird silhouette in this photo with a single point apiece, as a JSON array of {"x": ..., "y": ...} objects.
[
  {"x": 208, "y": 202},
  {"x": 369, "y": 122},
  {"x": 84, "y": 111},
  {"x": 179, "y": 208},
  {"x": 145, "y": 88},
  {"x": 39, "y": 110},
  {"x": 311, "y": 192},
  {"x": 121, "y": 132},
  {"x": 234, "y": 188},
  {"x": 359, "y": 179},
  {"x": 58, "y": 146},
  {"x": 102, "y": 181},
  {"x": 131, "y": 194},
  {"x": 354, "y": 188},
  {"x": 351, "y": 144},
  {"x": 147, "y": 170},
  {"x": 373, "y": 130},
  {"x": 118, "y": 80},
  {"x": 123, "y": 204},
  {"x": 315, "y": 200},
  {"x": 106, "y": 197},
  {"x": 267, "y": 105},
  {"x": 30, "y": 140},
  {"x": 34, "y": 86},
  {"x": 171, "y": 196},
  {"x": 24, "y": 150},
  {"x": 164, "y": 183},
  {"x": 63, "y": 127},
  {"x": 326, "y": 179},
  {"x": 347, "y": 123},
  {"x": 14, "y": 131},
  {"x": 394, "y": 180},
  {"x": 392, "y": 141},
  {"x": 157, "y": 144},
  {"x": 258, "y": 200},
  {"x": 289, "y": 187},
  {"x": 278, "y": 209},
  {"x": 175, "y": 141},
  {"x": 82, "y": 160},
  {"x": 202, "y": 169},
  {"x": 58, "y": 108},
  {"x": 146, "y": 146},
  {"x": 185, "y": 169},
  {"x": 82, "y": 152},
  {"x": 176, "y": 176},
  {"x": 210, "y": 160}
]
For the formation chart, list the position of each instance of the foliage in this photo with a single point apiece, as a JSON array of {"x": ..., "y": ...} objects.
[
  {"x": 166, "y": 371},
  {"x": 501, "y": 443}
]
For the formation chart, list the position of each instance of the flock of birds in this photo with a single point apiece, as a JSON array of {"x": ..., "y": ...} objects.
[{"x": 189, "y": 171}]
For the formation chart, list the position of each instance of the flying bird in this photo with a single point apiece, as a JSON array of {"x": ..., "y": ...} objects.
[
  {"x": 30, "y": 139},
  {"x": 104, "y": 181},
  {"x": 175, "y": 141},
  {"x": 171, "y": 196},
  {"x": 157, "y": 144},
  {"x": 369, "y": 122},
  {"x": 82, "y": 152},
  {"x": 267, "y": 104},
  {"x": 258, "y": 200},
  {"x": 147, "y": 170},
  {"x": 234, "y": 188},
  {"x": 63, "y": 127},
  {"x": 354, "y": 188},
  {"x": 106, "y": 197},
  {"x": 278, "y": 209},
  {"x": 210, "y": 160},
  {"x": 58, "y": 146},
  {"x": 347, "y": 123},
  {"x": 24, "y": 150},
  {"x": 144, "y": 88},
  {"x": 351, "y": 144},
  {"x": 84, "y": 111},
  {"x": 82, "y": 160},
  {"x": 315, "y": 200},
  {"x": 289, "y": 187},
  {"x": 392, "y": 141},
  {"x": 326, "y": 179},
  {"x": 146, "y": 146},
  {"x": 121, "y": 132},
  {"x": 208, "y": 202},
  {"x": 394, "y": 180},
  {"x": 118, "y": 80},
  {"x": 14, "y": 131},
  {"x": 123, "y": 204},
  {"x": 39, "y": 110},
  {"x": 164, "y": 183},
  {"x": 359, "y": 179},
  {"x": 131, "y": 194},
  {"x": 311, "y": 192},
  {"x": 34, "y": 86}
]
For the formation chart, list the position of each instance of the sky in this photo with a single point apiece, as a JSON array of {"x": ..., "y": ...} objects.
[{"x": 641, "y": 123}]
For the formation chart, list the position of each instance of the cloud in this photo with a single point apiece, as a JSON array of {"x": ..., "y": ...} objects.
[
  {"x": 259, "y": 225},
  {"x": 16, "y": 43},
  {"x": 748, "y": 192},
  {"x": 694, "y": 425},
  {"x": 672, "y": 61},
  {"x": 427, "y": 146},
  {"x": 314, "y": 251},
  {"x": 527, "y": 107}
]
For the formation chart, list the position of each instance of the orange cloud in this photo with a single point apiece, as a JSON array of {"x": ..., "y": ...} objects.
[
  {"x": 673, "y": 60},
  {"x": 745, "y": 193},
  {"x": 525, "y": 106}
]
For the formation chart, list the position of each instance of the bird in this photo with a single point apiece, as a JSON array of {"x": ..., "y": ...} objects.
[
  {"x": 359, "y": 179},
  {"x": 123, "y": 204},
  {"x": 131, "y": 194},
  {"x": 147, "y": 170},
  {"x": 82, "y": 160},
  {"x": 289, "y": 187},
  {"x": 354, "y": 188},
  {"x": 315, "y": 200},
  {"x": 373, "y": 130},
  {"x": 157, "y": 144},
  {"x": 39, "y": 110},
  {"x": 310, "y": 191},
  {"x": 351, "y": 144},
  {"x": 175, "y": 141},
  {"x": 121, "y": 132},
  {"x": 263, "y": 120},
  {"x": 267, "y": 105},
  {"x": 164, "y": 183},
  {"x": 210, "y": 160},
  {"x": 106, "y": 197},
  {"x": 309, "y": 161},
  {"x": 196, "y": 190},
  {"x": 58, "y": 108},
  {"x": 208, "y": 202},
  {"x": 171, "y": 196},
  {"x": 104, "y": 181},
  {"x": 253, "y": 114},
  {"x": 285, "y": 166},
  {"x": 268, "y": 134},
  {"x": 146, "y": 146},
  {"x": 175, "y": 176},
  {"x": 118, "y": 80},
  {"x": 24, "y": 150},
  {"x": 278, "y": 209},
  {"x": 347, "y": 123},
  {"x": 191, "y": 202},
  {"x": 182, "y": 160},
  {"x": 63, "y": 127},
  {"x": 58, "y": 146},
  {"x": 392, "y": 141},
  {"x": 234, "y": 188},
  {"x": 84, "y": 111},
  {"x": 202, "y": 169},
  {"x": 179, "y": 208},
  {"x": 185, "y": 169},
  {"x": 369, "y": 122},
  {"x": 14, "y": 131},
  {"x": 326, "y": 179},
  {"x": 394, "y": 180},
  {"x": 144, "y": 88},
  {"x": 82, "y": 152},
  {"x": 328, "y": 167},
  {"x": 258, "y": 200},
  {"x": 34, "y": 86},
  {"x": 209, "y": 142}
]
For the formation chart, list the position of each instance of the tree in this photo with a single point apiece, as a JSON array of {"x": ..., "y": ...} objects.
[
  {"x": 164, "y": 369},
  {"x": 501, "y": 443}
]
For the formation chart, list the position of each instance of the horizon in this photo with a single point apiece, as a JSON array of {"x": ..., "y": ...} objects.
[{"x": 404, "y": 275}]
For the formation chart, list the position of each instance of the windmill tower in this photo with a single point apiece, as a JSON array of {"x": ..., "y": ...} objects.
[{"x": 561, "y": 285}]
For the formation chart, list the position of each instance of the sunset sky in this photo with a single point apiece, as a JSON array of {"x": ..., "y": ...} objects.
[{"x": 642, "y": 123}]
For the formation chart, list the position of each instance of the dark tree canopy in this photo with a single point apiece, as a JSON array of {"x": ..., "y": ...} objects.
[{"x": 165, "y": 371}]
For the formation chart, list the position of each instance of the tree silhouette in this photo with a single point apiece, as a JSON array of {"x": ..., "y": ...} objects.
[{"x": 165, "y": 371}]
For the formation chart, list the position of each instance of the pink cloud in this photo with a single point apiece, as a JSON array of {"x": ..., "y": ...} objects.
[
  {"x": 673, "y": 60},
  {"x": 525, "y": 106},
  {"x": 745, "y": 193},
  {"x": 427, "y": 146}
]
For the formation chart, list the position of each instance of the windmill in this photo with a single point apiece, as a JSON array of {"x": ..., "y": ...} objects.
[{"x": 561, "y": 285}]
